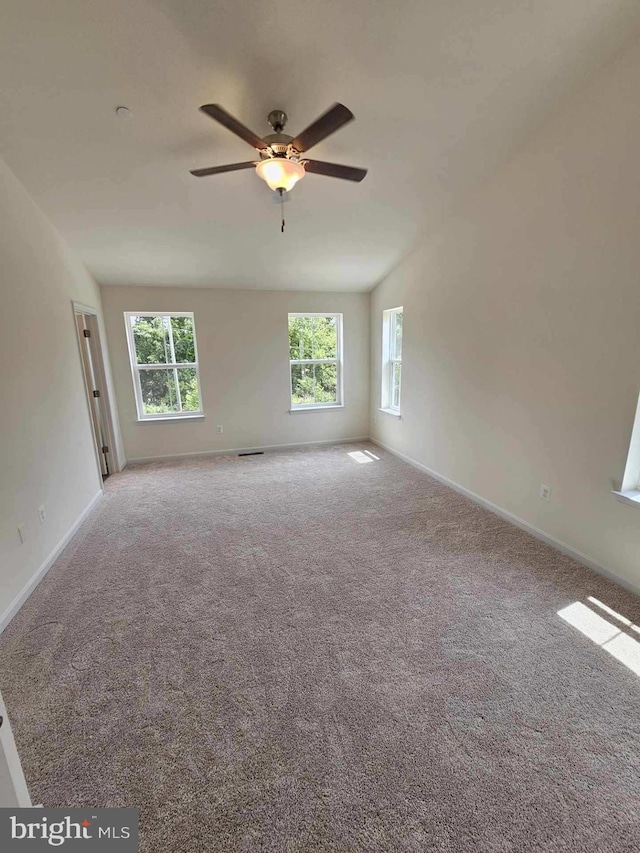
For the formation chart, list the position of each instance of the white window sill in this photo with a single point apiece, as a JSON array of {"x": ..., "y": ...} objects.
[
  {"x": 391, "y": 412},
  {"x": 301, "y": 409},
  {"x": 632, "y": 496},
  {"x": 170, "y": 419}
]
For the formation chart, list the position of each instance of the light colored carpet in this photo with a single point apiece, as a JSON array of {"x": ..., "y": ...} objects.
[{"x": 299, "y": 652}]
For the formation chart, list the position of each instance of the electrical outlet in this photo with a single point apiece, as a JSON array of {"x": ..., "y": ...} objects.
[
  {"x": 545, "y": 492},
  {"x": 21, "y": 534},
  {"x": 42, "y": 515},
  {"x": 219, "y": 429}
]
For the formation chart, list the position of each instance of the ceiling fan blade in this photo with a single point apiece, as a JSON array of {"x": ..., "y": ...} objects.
[
  {"x": 334, "y": 170},
  {"x": 216, "y": 112},
  {"x": 218, "y": 170},
  {"x": 335, "y": 117}
]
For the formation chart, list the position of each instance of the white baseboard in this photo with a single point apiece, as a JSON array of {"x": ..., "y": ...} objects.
[
  {"x": 558, "y": 544},
  {"x": 256, "y": 448},
  {"x": 26, "y": 591}
]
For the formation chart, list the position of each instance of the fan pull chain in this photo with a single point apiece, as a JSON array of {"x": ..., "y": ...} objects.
[{"x": 281, "y": 211}]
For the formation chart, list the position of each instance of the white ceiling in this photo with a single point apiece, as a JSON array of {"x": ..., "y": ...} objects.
[{"x": 443, "y": 92}]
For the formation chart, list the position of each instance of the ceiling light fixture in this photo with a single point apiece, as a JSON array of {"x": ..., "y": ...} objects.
[
  {"x": 124, "y": 113},
  {"x": 280, "y": 173}
]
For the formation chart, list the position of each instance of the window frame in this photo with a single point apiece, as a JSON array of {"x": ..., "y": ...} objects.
[
  {"x": 136, "y": 368},
  {"x": 389, "y": 360},
  {"x": 338, "y": 361},
  {"x": 629, "y": 491}
]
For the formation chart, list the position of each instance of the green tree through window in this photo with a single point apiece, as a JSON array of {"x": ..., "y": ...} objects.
[
  {"x": 314, "y": 357},
  {"x": 163, "y": 352}
]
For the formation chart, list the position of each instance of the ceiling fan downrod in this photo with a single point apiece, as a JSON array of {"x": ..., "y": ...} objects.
[{"x": 277, "y": 119}]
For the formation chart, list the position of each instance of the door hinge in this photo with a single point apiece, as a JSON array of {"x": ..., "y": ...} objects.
[
  {"x": 96, "y": 393},
  {"x": 86, "y": 333},
  {"x": 105, "y": 449}
]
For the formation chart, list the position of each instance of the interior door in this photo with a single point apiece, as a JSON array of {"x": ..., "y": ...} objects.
[{"x": 94, "y": 393}]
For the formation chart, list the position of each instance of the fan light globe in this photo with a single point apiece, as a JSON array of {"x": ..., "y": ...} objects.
[{"x": 280, "y": 173}]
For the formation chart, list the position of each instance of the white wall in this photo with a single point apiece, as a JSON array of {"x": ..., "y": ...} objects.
[
  {"x": 46, "y": 454},
  {"x": 522, "y": 329},
  {"x": 243, "y": 353}
]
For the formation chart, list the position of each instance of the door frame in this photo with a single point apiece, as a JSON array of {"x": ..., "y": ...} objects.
[
  {"x": 13, "y": 786},
  {"x": 97, "y": 358}
]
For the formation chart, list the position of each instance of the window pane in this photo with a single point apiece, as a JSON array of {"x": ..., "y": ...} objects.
[
  {"x": 158, "y": 391},
  {"x": 314, "y": 383},
  {"x": 313, "y": 337},
  {"x": 150, "y": 335},
  {"x": 302, "y": 384},
  {"x": 395, "y": 388},
  {"x": 326, "y": 383},
  {"x": 325, "y": 337},
  {"x": 396, "y": 341},
  {"x": 300, "y": 337},
  {"x": 188, "y": 383},
  {"x": 183, "y": 339}
]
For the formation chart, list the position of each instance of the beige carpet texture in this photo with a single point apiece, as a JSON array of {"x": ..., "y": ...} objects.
[{"x": 318, "y": 650}]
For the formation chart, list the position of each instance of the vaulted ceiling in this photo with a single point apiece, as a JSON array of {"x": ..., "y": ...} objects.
[{"x": 444, "y": 91}]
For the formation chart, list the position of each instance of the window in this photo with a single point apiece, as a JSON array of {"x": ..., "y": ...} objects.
[
  {"x": 391, "y": 360},
  {"x": 630, "y": 487},
  {"x": 164, "y": 363},
  {"x": 315, "y": 358}
]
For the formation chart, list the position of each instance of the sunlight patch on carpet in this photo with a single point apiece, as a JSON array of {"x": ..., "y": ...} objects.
[
  {"x": 362, "y": 456},
  {"x": 603, "y": 633}
]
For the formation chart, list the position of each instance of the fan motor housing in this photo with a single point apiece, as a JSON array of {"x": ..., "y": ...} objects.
[{"x": 279, "y": 143}]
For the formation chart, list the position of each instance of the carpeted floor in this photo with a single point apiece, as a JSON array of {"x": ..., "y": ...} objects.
[{"x": 306, "y": 652}]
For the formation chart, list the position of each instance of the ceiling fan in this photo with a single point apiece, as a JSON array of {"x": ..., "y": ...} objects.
[{"x": 282, "y": 162}]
